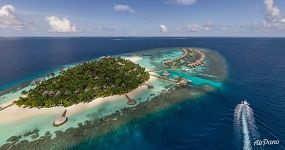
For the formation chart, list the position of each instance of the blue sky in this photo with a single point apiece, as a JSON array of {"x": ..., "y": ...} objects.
[{"x": 142, "y": 18}]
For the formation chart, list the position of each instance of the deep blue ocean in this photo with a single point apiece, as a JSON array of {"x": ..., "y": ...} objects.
[{"x": 256, "y": 73}]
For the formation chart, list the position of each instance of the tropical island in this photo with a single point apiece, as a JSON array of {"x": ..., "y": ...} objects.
[
  {"x": 102, "y": 78},
  {"x": 91, "y": 99}
]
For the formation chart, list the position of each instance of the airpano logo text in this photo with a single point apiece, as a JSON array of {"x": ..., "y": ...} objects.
[{"x": 265, "y": 142}]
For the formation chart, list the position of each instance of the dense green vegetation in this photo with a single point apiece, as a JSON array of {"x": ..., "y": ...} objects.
[{"x": 84, "y": 82}]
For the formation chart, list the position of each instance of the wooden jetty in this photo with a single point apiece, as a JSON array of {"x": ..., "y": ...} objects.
[
  {"x": 199, "y": 61},
  {"x": 185, "y": 58},
  {"x": 130, "y": 100},
  {"x": 61, "y": 120},
  {"x": 185, "y": 54},
  {"x": 2, "y": 108},
  {"x": 148, "y": 86},
  {"x": 163, "y": 78}
]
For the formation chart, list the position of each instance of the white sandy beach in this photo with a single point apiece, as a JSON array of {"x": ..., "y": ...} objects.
[{"x": 15, "y": 113}]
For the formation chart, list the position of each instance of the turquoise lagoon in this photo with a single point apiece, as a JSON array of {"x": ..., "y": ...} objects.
[
  {"x": 150, "y": 59},
  {"x": 196, "y": 81}
]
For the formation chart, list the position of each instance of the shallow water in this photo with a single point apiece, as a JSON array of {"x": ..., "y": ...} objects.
[
  {"x": 256, "y": 73},
  {"x": 194, "y": 80},
  {"x": 43, "y": 123}
]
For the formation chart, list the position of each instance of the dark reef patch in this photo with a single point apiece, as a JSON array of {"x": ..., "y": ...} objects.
[{"x": 99, "y": 127}]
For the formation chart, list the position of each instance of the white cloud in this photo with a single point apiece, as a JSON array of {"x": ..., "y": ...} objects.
[
  {"x": 273, "y": 16},
  {"x": 60, "y": 25},
  {"x": 123, "y": 8},
  {"x": 224, "y": 27},
  {"x": 193, "y": 27},
  {"x": 181, "y": 2},
  {"x": 272, "y": 11},
  {"x": 202, "y": 28},
  {"x": 10, "y": 19},
  {"x": 208, "y": 27},
  {"x": 163, "y": 28}
]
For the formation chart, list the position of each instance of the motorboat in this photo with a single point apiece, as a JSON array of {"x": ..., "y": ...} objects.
[{"x": 245, "y": 102}]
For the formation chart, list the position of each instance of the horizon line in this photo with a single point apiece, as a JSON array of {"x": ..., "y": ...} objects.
[{"x": 142, "y": 36}]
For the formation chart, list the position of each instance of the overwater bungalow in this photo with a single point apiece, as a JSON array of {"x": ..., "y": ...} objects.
[
  {"x": 186, "y": 59},
  {"x": 199, "y": 61},
  {"x": 130, "y": 100},
  {"x": 165, "y": 74},
  {"x": 61, "y": 120},
  {"x": 182, "y": 82}
]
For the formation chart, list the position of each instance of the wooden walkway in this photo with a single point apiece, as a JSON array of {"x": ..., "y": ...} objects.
[
  {"x": 2, "y": 108},
  {"x": 64, "y": 113},
  {"x": 61, "y": 120},
  {"x": 185, "y": 53},
  {"x": 161, "y": 69},
  {"x": 148, "y": 86},
  {"x": 199, "y": 61},
  {"x": 130, "y": 100},
  {"x": 166, "y": 79}
]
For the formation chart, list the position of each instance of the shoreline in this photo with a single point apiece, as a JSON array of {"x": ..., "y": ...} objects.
[
  {"x": 11, "y": 114},
  {"x": 90, "y": 116},
  {"x": 15, "y": 88},
  {"x": 98, "y": 127}
]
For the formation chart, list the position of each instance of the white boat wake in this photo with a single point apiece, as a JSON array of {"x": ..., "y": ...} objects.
[{"x": 244, "y": 125}]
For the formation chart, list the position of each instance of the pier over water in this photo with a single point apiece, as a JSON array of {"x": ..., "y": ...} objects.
[{"x": 190, "y": 58}]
